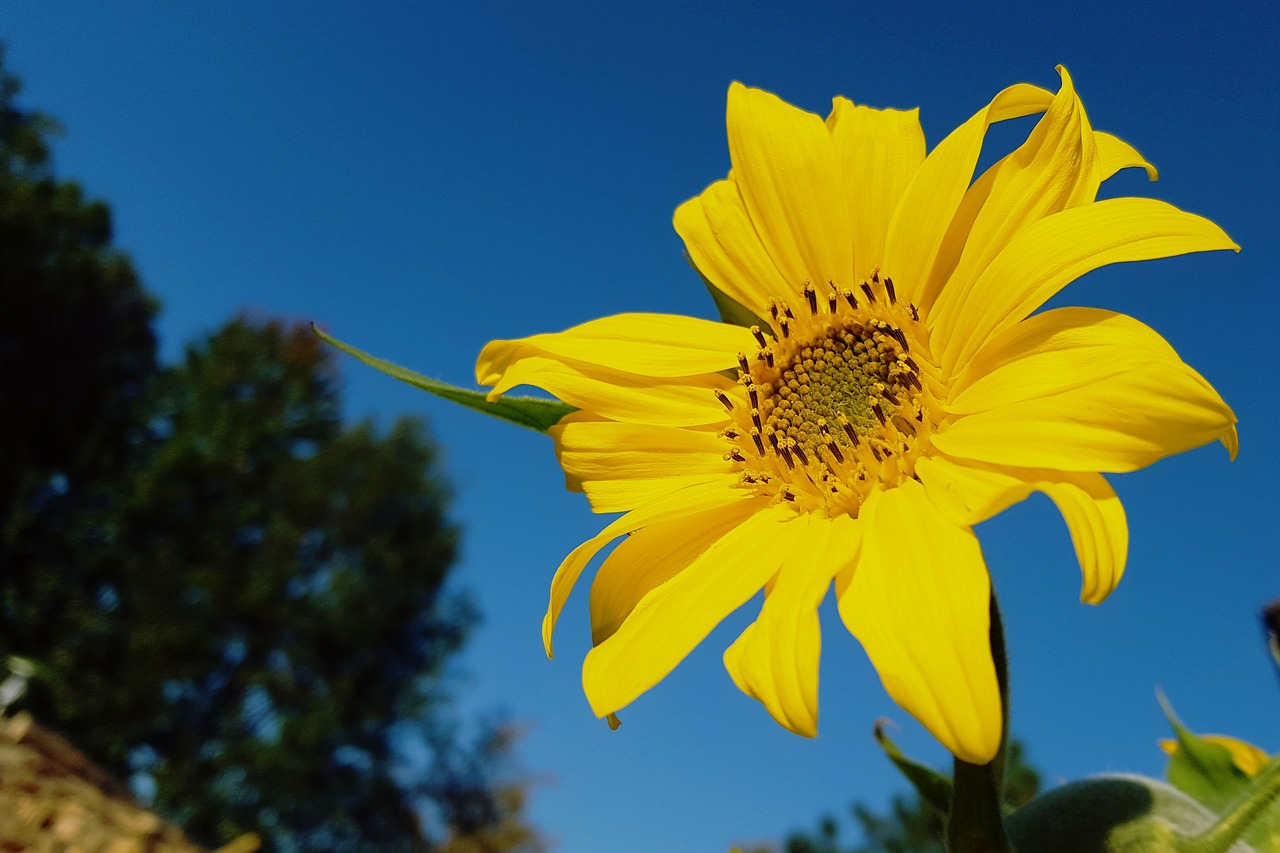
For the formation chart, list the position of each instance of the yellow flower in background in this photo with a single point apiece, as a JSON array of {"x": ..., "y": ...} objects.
[
  {"x": 1245, "y": 756},
  {"x": 896, "y": 390}
]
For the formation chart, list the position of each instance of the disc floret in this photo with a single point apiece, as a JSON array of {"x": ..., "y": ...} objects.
[{"x": 838, "y": 398}]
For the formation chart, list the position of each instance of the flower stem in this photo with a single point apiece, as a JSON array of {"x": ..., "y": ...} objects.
[
  {"x": 975, "y": 824},
  {"x": 1239, "y": 816}
]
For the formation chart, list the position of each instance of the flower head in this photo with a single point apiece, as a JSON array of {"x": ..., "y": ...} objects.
[{"x": 895, "y": 390}]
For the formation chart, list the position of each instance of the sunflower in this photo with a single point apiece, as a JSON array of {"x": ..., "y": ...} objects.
[{"x": 890, "y": 388}]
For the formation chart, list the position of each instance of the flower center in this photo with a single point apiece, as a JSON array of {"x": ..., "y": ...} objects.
[{"x": 839, "y": 398}]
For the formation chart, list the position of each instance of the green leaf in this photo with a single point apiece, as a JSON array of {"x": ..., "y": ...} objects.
[
  {"x": 731, "y": 311},
  {"x": 531, "y": 412},
  {"x": 933, "y": 787},
  {"x": 1203, "y": 770}
]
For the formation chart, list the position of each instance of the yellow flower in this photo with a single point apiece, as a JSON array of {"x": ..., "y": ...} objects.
[
  {"x": 896, "y": 390},
  {"x": 1248, "y": 758}
]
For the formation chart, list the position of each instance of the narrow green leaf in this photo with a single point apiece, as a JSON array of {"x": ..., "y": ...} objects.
[
  {"x": 933, "y": 787},
  {"x": 530, "y": 412}
]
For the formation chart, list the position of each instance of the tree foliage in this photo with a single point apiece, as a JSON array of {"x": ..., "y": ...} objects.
[
  {"x": 912, "y": 825},
  {"x": 227, "y": 595}
]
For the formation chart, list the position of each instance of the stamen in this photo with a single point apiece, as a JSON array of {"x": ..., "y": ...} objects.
[
  {"x": 799, "y": 452},
  {"x": 888, "y": 395},
  {"x": 899, "y": 336},
  {"x": 759, "y": 335},
  {"x": 915, "y": 368},
  {"x": 743, "y": 365},
  {"x": 755, "y": 436},
  {"x": 786, "y": 309},
  {"x": 833, "y": 299},
  {"x": 786, "y": 329},
  {"x": 848, "y": 297},
  {"x": 811, "y": 295},
  {"x": 871, "y": 295},
  {"x": 875, "y": 453},
  {"x": 768, "y": 357},
  {"x": 915, "y": 312},
  {"x": 724, "y": 400},
  {"x": 734, "y": 455},
  {"x": 888, "y": 288},
  {"x": 848, "y": 429},
  {"x": 835, "y": 450},
  {"x": 875, "y": 407}
]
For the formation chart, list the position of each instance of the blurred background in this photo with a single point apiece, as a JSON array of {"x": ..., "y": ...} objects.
[{"x": 252, "y": 588}]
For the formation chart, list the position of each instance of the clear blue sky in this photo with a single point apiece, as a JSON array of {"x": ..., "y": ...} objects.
[{"x": 422, "y": 177}]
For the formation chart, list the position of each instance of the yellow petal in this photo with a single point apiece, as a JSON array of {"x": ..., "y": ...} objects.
[
  {"x": 775, "y": 660},
  {"x": 653, "y": 555},
  {"x": 785, "y": 166},
  {"x": 919, "y": 602},
  {"x": 724, "y": 246},
  {"x": 1116, "y": 154},
  {"x": 609, "y": 393},
  {"x": 968, "y": 494},
  {"x": 925, "y": 211},
  {"x": 1081, "y": 389},
  {"x": 678, "y": 614},
  {"x": 658, "y": 345},
  {"x": 1098, "y": 528},
  {"x": 880, "y": 151},
  {"x": 683, "y": 502},
  {"x": 1058, "y": 249},
  {"x": 1056, "y": 168},
  {"x": 622, "y": 465}
]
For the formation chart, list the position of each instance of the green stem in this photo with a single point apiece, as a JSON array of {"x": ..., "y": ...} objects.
[
  {"x": 975, "y": 824},
  {"x": 1239, "y": 816}
]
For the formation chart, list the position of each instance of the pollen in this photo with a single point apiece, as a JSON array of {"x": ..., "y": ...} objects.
[{"x": 839, "y": 398}]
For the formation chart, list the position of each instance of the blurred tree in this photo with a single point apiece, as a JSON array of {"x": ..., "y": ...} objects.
[
  {"x": 76, "y": 345},
  {"x": 227, "y": 596},
  {"x": 912, "y": 825}
]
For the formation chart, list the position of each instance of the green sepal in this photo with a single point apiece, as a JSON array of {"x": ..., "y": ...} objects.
[
  {"x": 731, "y": 311},
  {"x": 1204, "y": 771},
  {"x": 933, "y": 787},
  {"x": 1207, "y": 773},
  {"x": 530, "y": 412}
]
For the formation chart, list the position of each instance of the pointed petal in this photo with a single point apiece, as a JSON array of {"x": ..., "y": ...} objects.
[
  {"x": 724, "y": 246},
  {"x": 621, "y": 466},
  {"x": 919, "y": 604},
  {"x": 1098, "y": 528},
  {"x": 1081, "y": 389},
  {"x": 1056, "y": 168},
  {"x": 775, "y": 660},
  {"x": 1115, "y": 154},
  {"x": 678, "y": 614},
  {"x": 925, "y": 211},
  {"x": 785, "y": 166},
  {"x": 683, "y": 502},
  {"x": 880, "y": 151},
  {"x": 653, "y": 555},
  {"x": 659, "y": 345},
  {"x": 1060, "y": 248}
]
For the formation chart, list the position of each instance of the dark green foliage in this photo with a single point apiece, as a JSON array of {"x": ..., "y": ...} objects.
[
  {"x": 76, "y": 344},
  {"x": 912, "y": 825},
  {"x": 227, "y": 594}
]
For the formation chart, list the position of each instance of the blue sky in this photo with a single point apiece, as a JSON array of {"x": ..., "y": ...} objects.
[{"x": 424, "y": 177}]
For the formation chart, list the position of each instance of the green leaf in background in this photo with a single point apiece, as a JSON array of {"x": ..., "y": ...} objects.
[
  {"x": 530, "y": 412},
  {"x": 933, "y": 787},
  {"x": 1203, "y": 770}
]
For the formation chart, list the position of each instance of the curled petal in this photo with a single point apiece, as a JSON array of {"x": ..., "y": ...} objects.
[
  {"x": 681, "y": 503},
  {"x": 924, "y": 213},
  {"x": 775, "y": 660},
  {"x": 724, "y": 246},
  {"x": 676, "y": 615}
]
